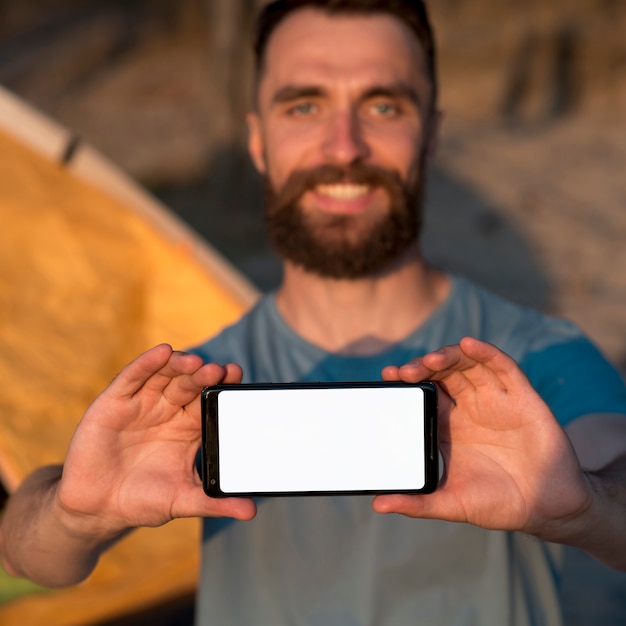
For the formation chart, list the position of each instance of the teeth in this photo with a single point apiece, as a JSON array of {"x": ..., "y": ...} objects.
[{"x": 342, "y": 191}]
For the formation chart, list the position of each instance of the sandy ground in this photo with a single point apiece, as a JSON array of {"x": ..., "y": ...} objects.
[{"x": 564, "y": 192}]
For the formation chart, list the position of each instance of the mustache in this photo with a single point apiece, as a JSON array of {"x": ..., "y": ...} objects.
[
  {"x": 298, "y": 238},
  {"x": 303, "y": 180}
]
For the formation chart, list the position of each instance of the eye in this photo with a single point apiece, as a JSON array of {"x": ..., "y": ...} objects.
[
  {"x": 302, "y": 109},
  {"x": 384, "y": 108}
]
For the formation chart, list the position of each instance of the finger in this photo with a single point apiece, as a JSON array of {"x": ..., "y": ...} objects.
[
  {"x": 495, "y": 359},
  {"x": 196, "y": 503},
  {"x": 467, "y": 354},
  {"x": 448, "y": 358},
  {"x": 233, "y": 375},
  {"x": 390, "y": 373},
  {"x": 418, "y": 506},
  {"x": 209, "y": 374},
  {"x": 458, "y": 357},
  {"x": 183, "y": 388},
  {"x": 449, "y": 366},
  {"x": 478, "y": 362},
  {"x": 412, "y": 372},
  {"x": 438, "y": 505},
  {"x": 135, "y": 375},
  {"x": 239, "y": 508},
  {"x": 179, "y": 364}
]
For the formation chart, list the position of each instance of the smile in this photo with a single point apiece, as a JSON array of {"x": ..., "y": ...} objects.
[{"x": 342, "y": 191}]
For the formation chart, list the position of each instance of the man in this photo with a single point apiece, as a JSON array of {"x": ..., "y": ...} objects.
[{"x": 344, "y": 127}]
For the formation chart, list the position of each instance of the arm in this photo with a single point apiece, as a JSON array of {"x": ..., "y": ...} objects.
[
  {"x": 600, "y": 444},
  {"x": 131, "y": 463},
  {"x": 510, "y": 465}
]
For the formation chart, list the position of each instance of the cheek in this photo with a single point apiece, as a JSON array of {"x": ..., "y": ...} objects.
[
  {"x": 398, "y": 149},
  {"x": 279, "y": 159},
  {"x": 288, "y": 148}
]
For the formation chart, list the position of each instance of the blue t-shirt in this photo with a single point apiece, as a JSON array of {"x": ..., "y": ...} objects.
[{"x": 332, "y": 561}]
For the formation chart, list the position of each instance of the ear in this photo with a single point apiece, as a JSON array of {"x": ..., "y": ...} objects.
[
  {"x": 256, "y": 147},
  {"x": 431, "y": 142}
]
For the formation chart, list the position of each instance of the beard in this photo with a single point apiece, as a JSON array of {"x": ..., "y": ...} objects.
[{"x": 344, "y": 246}]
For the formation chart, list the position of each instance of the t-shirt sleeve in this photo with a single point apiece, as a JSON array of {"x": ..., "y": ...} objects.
[{"x": 575, "y": 379}]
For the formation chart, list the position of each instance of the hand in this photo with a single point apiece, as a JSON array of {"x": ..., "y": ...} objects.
[
  {"x": 131, "y": 461},
  {"x": 508, "y": 463}
]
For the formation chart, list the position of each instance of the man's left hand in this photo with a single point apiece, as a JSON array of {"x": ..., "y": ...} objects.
[{"x": 509, "y": 465}]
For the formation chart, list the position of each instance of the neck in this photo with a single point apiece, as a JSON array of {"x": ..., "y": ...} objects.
[{"x": 362, "y": 316}]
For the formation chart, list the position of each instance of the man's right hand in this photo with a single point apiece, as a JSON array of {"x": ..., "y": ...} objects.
[{"x": 130, "y": 463}]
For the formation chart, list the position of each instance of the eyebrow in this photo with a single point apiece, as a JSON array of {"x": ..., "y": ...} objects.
[
  {"x": 396, "y": 91},
  {"x": 289, "y": 93}
]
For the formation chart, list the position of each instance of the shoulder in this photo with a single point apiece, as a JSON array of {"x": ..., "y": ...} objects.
[
  {"x": 515, "y": 329},
  {"x": 575, "y": 379},
  {"x": 562, "y": 364},
  {"x": 234, "y": 341},
  {"x": 262, "y": 344}
]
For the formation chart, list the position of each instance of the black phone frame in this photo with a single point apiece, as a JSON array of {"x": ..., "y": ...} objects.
[{"x": 210, "y": 445}]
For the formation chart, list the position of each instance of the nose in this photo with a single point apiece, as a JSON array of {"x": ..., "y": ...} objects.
[{"x": 343, "y": 141}]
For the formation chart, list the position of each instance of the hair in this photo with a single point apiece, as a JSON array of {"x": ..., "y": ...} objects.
[{"x": 413, "y": 13}]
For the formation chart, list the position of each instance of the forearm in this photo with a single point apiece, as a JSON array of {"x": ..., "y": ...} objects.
[
  {"x": 599, "y": 530},
  {"x": 40, "y": 541}
]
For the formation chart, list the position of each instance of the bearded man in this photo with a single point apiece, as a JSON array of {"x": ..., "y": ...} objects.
[{"x": 344, "y": 127}]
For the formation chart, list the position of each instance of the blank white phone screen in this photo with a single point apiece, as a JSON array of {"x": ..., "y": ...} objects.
[{"x": 342, "y": 439}]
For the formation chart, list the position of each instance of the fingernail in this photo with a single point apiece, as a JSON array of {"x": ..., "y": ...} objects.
[{"x": 412, "y": 365}]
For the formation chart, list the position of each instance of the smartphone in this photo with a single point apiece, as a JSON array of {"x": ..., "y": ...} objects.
[{"x": 319, "y": 439}]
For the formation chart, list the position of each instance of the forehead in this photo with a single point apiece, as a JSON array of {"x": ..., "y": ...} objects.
[{"x": 311, "y": 47}]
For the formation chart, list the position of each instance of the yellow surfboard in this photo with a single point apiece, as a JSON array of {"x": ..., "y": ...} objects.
[{"x": 93, "y": 271}]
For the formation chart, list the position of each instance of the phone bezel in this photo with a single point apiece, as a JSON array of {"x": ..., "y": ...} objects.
[{"x": 210, "y": 443}]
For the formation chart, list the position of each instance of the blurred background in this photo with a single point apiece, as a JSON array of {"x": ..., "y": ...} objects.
[
  {"x": 530, "y": 174},
  {"x": 527, "y": 196}
]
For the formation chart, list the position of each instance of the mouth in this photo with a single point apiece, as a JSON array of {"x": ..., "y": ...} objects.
[{"x": 342, "y": 191}]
